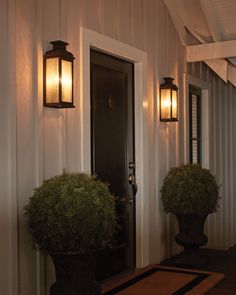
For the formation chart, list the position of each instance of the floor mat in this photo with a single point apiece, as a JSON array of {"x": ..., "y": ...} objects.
[{"x": 159, "y": 280}]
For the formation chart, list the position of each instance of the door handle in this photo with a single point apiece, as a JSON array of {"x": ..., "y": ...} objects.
[{"x": 132, "y": 181}]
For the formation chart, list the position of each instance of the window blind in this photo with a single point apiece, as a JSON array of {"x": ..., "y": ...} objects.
[{"x": 195, "y": 126}]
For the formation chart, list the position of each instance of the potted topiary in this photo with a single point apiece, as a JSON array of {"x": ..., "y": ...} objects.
[
  {"x": 71, "y": 217},
  {"x": 191, "y": 193}
]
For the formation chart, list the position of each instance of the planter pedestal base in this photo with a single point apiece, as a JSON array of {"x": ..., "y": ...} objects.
[
  {"x": 74, "y": 275},
  {"x": 191, "y": 236}
]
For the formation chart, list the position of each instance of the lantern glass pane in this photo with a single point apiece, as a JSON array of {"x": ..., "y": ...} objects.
[
  {"x": 66, "y": 80},
  {"x": 52, "y": 80},
  {"x": 174, "y": 104},
  {"x": 165, "y": 103}
]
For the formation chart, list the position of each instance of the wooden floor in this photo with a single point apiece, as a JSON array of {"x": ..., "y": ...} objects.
[{"x": 223, "y": 262}]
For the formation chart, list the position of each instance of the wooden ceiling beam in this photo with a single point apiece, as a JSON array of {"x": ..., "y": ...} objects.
[
  {"x": 228, "y": 72},
  {"x": 219, "y": 66},
  {"x": 213, "y": 54},
  {"x": 208, "y": 51}
]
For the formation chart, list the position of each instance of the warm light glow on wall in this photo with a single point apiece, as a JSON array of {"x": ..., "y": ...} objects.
[
  {"x": 145, "y": 104},
  {"x": 58, "y": 76},
  {"x": 168, "y": 101}
]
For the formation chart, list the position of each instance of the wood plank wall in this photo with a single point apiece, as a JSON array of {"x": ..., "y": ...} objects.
[
  {"x": 37, "y": 143},
  {"x": 221, "y": 227}
]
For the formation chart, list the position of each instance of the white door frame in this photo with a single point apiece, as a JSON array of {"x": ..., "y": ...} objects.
[{"x": 108, "y": 45}]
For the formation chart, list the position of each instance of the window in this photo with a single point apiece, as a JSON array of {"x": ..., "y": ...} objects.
[{"x": 195, "y": 125}]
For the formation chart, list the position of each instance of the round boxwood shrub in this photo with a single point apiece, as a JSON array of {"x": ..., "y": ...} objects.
[
  {"x": 72, "y": 212},
  {"x": 190, "y": 190}
]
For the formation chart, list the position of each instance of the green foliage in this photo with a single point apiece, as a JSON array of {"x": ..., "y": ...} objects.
[
  {"x": 190, "y": 190},
  {"x": 71, "y": 212}
]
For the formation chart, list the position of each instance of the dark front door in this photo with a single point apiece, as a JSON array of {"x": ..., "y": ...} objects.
[{"x": 112, "y": 129}]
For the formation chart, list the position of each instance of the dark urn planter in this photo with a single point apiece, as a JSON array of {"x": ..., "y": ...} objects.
[
  {"x": 191, "y": 236},
  {"x": 74, "y": 275}
]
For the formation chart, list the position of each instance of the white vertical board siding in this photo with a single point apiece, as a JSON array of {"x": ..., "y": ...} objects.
[
  {"x": 54, "y": 120},
  {"x": 8, "y": 179},
  {"x": 149, "y": 30},
  {"x": 220, "y": 227},
  {"x": 73, "y": 126},
  {"x": 38, "y": 142},
  {"x": 162, "y": 131},
  {"x": 27, "y": 69}
]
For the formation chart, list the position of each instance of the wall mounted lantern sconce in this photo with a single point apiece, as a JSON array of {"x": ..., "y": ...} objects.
[
  {"x": 58, "y": 76},
  {"x": 168, "y": 101}
]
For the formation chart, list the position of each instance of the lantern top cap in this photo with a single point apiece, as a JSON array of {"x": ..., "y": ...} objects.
[
  {"x": 168, "y": 83},
  {"x": 168, "y": 80},
  {"x": 59, "y": 50},
  {"x": 58, "y": 44}
]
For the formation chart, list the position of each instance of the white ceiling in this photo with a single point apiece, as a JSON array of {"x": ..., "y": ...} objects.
[{"x": 210, "y": 23}]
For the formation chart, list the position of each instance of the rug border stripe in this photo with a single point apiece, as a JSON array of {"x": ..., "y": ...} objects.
[
  {"x": 189, "y": 286},
  {"x": 183, "y": 290}
]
